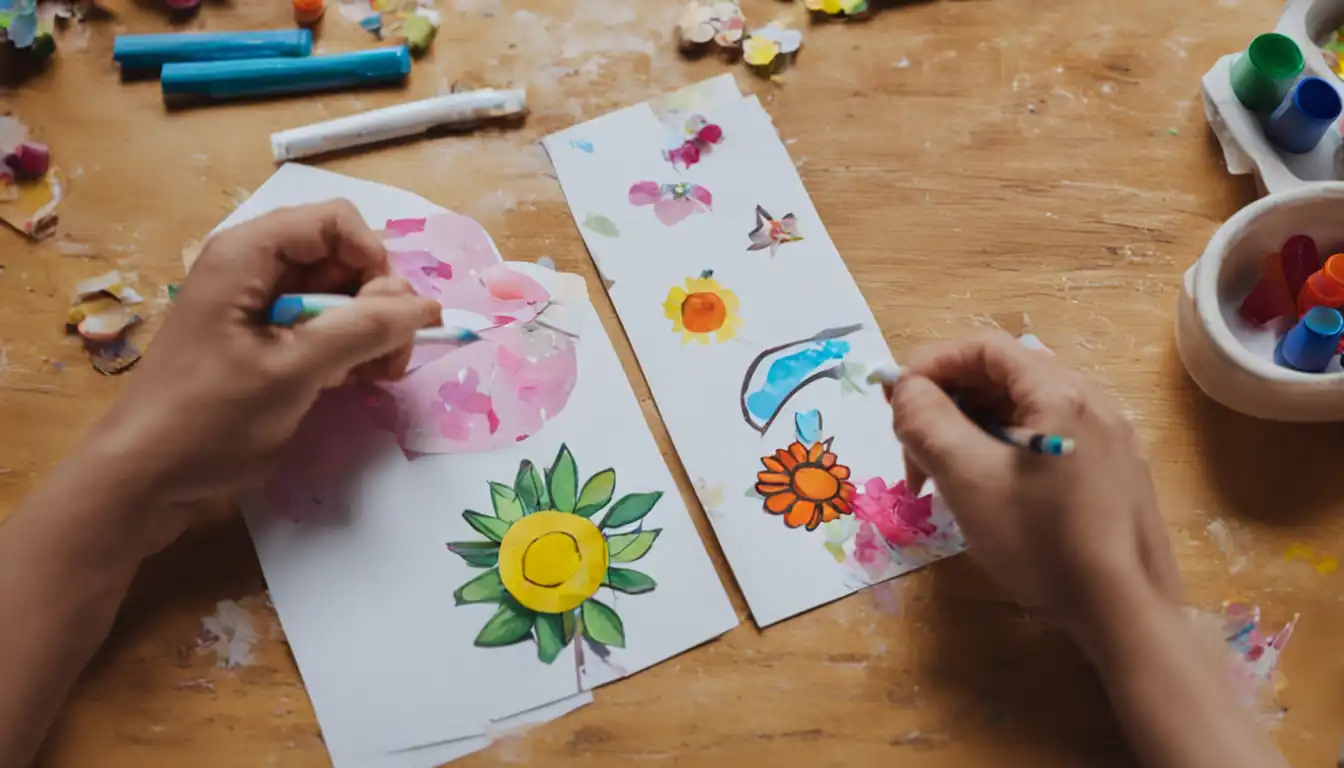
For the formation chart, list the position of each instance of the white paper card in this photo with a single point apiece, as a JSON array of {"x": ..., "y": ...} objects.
[
  {"x": 751, "y": 332},
  {"x": 366, "y": 592}
]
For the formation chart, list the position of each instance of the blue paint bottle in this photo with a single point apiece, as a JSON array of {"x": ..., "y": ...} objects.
[
  {"x": 1301, "y": 121},
  {"x": 1311, "y": 344}
]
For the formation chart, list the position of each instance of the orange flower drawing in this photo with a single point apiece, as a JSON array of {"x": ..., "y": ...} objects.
[{"x": 806, "y": 486}]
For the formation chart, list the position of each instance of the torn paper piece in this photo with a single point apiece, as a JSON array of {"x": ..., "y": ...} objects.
[
  {"x": 706, "y": 22},
  {"x": 229, "y": 634},
  {"x": 770, "y": 49},
  {"x": 27, "y": 204},
  {"x": 111, "y": 283},
  {"x": 100, "y": 314}
]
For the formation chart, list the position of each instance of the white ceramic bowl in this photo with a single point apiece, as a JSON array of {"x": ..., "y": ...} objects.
[{"x": 1232, "y": 360}]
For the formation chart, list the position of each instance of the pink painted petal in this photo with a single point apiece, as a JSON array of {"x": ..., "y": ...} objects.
[
  {"x": 644, "y": 193},
  {"x": 417, "y": 267},
  {"x": 672, "y": 212},
  {"x": 702, "y": 196},
  {"x": 403, "y": 227}
]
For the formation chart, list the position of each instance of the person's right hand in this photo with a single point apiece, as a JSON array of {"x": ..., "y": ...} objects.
[{"x": 1061, "y": 533}]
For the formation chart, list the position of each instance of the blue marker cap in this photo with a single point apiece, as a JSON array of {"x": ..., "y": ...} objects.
[
  {"x": 1310, "y": 345},
  {"x": 287, "y": 310},
  {"x": 149, "y": 52},
  {"x": 1301, "y": 121},
  {"x": 268, "y": 77}
]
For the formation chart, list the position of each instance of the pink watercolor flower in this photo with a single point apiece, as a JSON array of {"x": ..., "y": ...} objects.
[
  {"x": 672, "y": 203},
  {"x": 901, "y": 519}
]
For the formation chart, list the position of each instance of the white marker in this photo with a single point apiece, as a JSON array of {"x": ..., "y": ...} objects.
[
  {"x": 396, "y": 122},
  {"x": 886, "y": 373}
]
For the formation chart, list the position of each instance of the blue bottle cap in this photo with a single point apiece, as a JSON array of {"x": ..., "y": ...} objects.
[{"x": 1311, "y": 344}]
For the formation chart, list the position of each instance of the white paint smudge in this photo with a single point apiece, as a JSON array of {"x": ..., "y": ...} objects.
[
  {"x": 229, "y": 634},
  {"x": 903, "y": 63},
  {"x": 1222, "y": 537}
]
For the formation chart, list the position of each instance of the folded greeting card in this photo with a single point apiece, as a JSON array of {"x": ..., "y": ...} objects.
[
  {"x": 480, "y": 543},
  {"x": 755, "y": 342}
]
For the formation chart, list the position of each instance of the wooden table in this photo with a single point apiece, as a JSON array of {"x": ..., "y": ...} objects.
[{"x": 991, "y": 163}]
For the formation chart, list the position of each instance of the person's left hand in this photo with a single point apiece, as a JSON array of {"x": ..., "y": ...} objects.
[{"x": 219, "y": 393}]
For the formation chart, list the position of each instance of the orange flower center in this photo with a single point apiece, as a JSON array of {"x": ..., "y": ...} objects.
[
  {"x": 703, "y": 313},
  {"x": 815, "y": 483}
]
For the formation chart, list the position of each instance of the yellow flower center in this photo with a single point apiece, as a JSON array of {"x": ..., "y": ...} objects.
[
  {"x": 551, "y": 560},
  {"x": 815, "y": 483}
]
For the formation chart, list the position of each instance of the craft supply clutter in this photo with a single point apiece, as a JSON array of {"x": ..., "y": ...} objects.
[{"x": 501, "y": 520}]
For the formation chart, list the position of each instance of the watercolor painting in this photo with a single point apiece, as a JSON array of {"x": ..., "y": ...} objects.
[
  {"x": 497, "y": 391},
  {"x": 792, "y": 367},
  {"x": 703, "y": 310},
  {"x": 805, "y": 483},
  {"x": 544, "y": 559},
  {"x": 771, "y": 232},
  {"x": 672, "y": 203},
  {"x": 696, "y": 139}
]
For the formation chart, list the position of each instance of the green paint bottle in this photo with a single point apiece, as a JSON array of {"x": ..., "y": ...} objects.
[{"x": 1263, "y": 75}]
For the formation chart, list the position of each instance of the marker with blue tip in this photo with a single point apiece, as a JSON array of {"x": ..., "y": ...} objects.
[
  {"x": 271, "y": 77},
  {"x": 1311, "y": 344},
  {"x": 149, "y": 52},
  {"x": 290, "y": 309}
]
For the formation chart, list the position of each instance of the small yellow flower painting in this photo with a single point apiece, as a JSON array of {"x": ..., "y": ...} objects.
[
  {"x": 703, "y": 310},
  {"x": 544, "y": 558}
]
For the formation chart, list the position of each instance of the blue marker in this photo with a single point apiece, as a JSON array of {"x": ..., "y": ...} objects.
[
  {"x": 1311, "y": 343},
  {"x": 149, "y": 52},
  {"x": 294, "y": 308},
  {"x": 1301, "y": 121},
  {"x": 269, "y": 77}
]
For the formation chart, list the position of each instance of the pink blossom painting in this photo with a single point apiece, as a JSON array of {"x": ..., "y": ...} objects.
[{"x": 672, "y": 203}]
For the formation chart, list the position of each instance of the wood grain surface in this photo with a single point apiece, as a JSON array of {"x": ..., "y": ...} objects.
[{"x": 1037, "y": 163}]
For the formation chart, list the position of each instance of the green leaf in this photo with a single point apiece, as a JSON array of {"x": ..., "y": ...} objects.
[
  {"x": 507, "y": 506},
  {"x": 531, "y": 491},
  {"x": 571, "y": 624},
  {"x": 485, "y": 588},
  {"x": 478, "y": 554},
  {"x": 490, "y": 527},
  {"x": 602, "y": 225},
  {"x": 596, "y": 493},
  {"x": 629, "y": 581},
  {"x": 629, "y": 547},
  {"x": 601, "y": 624},
  {"x": 563, "y": 480},
  {"x": 512, "y": 623},
  {"x": 631, "y": 508},
  {"x": 551, "y": 638}
]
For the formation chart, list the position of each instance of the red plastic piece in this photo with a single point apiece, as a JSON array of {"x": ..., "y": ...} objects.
[
  {"x": 1300, "y": 259},
  {"x": 29, "y": 160},
  {"x": 1270, "y": 298}
]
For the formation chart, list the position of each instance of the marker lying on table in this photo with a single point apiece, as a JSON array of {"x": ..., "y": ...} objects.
[
  {"x": 294, "y": 308},
  {"x": 1036, "y": 442}
]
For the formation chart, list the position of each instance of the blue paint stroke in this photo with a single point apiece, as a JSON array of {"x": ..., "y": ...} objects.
[
  {"x": 787, "y": 374},
  {"x": 582, "y": 144},
  {"x": 807, "y": 426}
]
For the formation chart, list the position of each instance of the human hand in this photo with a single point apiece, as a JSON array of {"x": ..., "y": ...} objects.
[
  {"x": 219, "y": 393},
  {"x": 1061, "y": 533}
]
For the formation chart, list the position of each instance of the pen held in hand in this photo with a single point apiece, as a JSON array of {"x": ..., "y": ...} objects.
[
  {"x": 1036, "y": 442},
  {"x": 294, "y": 308}
]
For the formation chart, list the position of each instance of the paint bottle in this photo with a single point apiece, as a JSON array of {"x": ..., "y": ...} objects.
[
  {"x": 308, "y": 12},
  {"x": 1325, "y": 288},
  {"x": 1263, "y": 75},
  {"x": 1301, "y": 121},
  {"x": 1311, "y": 343}
]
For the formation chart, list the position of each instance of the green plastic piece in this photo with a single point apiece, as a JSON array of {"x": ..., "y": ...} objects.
[{"x": 1265, "y": 73}]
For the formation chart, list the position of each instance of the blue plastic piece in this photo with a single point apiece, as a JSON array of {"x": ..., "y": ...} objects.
[
  {"x": 1311, "y": 343},
  {"x": 149, "y": 52},
  {"x": 287, "y": 310},
  {"x": 268, "y": 77},
  {"x": 1301, "y": 121}
]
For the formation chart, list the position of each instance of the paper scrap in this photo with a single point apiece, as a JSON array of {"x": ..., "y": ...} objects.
[{"x": 27, "y": 204}]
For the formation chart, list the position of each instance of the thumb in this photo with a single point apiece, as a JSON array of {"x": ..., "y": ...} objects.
[
  {"x": 936, "y": 436},
  {"x": 336, "y": 341}
]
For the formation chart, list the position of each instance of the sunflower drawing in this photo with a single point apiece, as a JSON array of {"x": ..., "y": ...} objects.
[
  {"x": 544, "y": 558},
  {"x": 702, "y": 310},
  {"x": 806, "y": 485}
]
